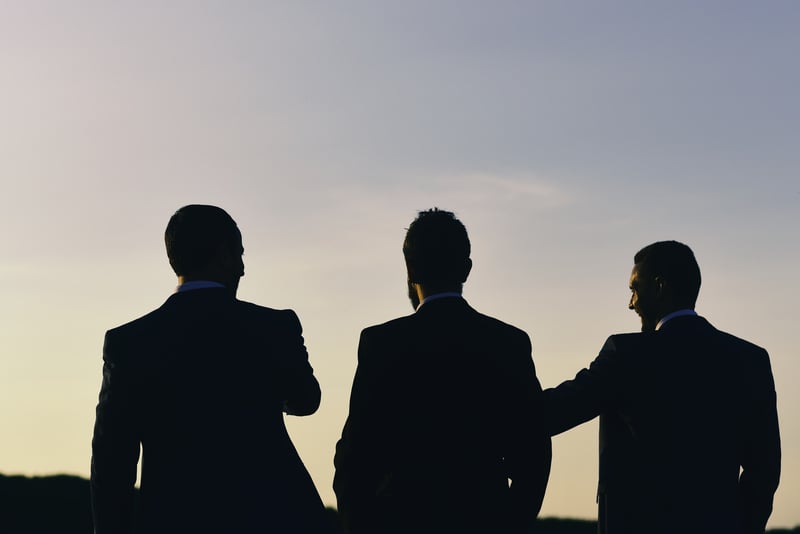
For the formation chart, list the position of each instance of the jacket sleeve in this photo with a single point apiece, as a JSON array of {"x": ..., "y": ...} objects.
[
  {"x": 115, "y": 447},
  {"x": 761, "y": 459},
  {"x": 299, "y": 387},
  {"x": 583, "y": 398},
  {"x": 529, "y": 451},
  {"x": 355, "y": 460}
]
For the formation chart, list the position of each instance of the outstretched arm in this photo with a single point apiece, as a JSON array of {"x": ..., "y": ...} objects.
[{"x": 584, "y": 397}]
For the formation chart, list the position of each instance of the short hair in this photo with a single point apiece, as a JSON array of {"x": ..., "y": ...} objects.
[
  {"x": 195, "y": 234},
  {"x": 675, "y": 263},
  {"x": 436, "y": 248}
]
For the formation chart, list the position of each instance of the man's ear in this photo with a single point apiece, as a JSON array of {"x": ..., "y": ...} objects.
[
  {"x": 467, "y": 269},
  {"x": 412, "y": 276},
  {"x": 661, "y": 286},
  {"x": 229, "y": 260}
]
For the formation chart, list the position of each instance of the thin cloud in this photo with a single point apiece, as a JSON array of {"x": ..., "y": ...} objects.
[{"x": 530, "y": 188}]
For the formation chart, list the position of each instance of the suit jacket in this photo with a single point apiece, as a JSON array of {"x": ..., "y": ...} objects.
[
  {"x": 201, "y": 383},
  {"x": 682, "y": 411},
  {"x": 444, "y": 410}
]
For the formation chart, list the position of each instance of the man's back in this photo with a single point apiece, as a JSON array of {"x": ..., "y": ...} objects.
[
  {"x": 201, "y": 383},
  {"x": 681, "y": 410},
  {"x": 443, "y": 412}
]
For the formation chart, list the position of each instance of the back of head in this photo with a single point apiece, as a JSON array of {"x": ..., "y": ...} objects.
[
  {"x": 674, "y": 263},
  {"x": 194, "y": 236},
  {"x": 437, "y": 249}
]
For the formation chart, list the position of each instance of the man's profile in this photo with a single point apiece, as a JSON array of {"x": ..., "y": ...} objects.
[
  {"x": 441, "y": 408},
  {"x": 200, "y": 384},
  {"x": 689, "y": 438}
]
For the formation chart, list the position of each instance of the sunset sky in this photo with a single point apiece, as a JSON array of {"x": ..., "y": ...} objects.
[{"x": 565, "y": 135}]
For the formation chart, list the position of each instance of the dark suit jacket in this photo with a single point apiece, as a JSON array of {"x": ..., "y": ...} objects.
[
  {"x": 682, "y": 410},
  {"x": 201, "y": 384},
  {"x": 444, "y": 410}
]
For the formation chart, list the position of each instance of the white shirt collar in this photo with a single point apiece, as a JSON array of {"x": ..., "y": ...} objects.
[
  {"x": 437, "y": 296},
  {"x": 196, "y": 284},
  {"x": 678, "y": 313}
]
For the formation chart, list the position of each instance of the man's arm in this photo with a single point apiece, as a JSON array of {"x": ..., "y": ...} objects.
[
  {"x": 115, "y": 449},
  {"x": 345, "y": 484},
  {"x": 587, "y": 395},
  {"x": 529, "y": 455},
  {"x": 354, "y": 480},
  {"x": 761, "y": 461},
  {"x": 301, "y": 392}
]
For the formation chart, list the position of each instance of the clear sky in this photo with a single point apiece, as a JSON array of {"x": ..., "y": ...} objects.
[{"x": 565, "y": 134}]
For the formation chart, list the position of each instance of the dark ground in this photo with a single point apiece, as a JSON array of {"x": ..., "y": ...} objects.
[{"x": 60, "y": 505}]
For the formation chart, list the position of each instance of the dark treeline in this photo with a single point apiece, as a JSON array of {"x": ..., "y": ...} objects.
[{"x": 60, "y": 505}]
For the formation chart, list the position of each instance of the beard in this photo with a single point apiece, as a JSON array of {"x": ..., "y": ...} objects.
[
  {"x": 648, "y": 325},
  {"x": 412, "y": 294},
  {"x": 649, "y": 315}
]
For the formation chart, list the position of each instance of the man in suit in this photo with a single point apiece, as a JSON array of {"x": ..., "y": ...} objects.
[
  {"x": 440, "y": 409},
  {"x": 201, "y": 383},
  {"x": 689, "y": 436}
]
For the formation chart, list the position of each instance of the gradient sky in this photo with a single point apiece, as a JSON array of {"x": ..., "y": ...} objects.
[{"x": 565, "y": 134}]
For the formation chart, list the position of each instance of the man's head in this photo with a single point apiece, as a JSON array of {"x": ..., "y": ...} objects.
[
  {"x": 665, "y": 278},
  {"x": 204, "y": 243},
  {"x": 436, "y": 249}
]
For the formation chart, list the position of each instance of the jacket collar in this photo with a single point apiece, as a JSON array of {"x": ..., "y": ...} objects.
[
  {"x": 440, "y": 296},
  {"x": 207, "y": 293},
  {"x": 683, "y": 322}
]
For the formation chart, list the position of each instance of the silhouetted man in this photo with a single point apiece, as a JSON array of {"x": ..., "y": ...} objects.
[
  {"x": 201, "y": 384},
  {"x": 689, "y": 437},
  {"x": 440, "y": 407}
]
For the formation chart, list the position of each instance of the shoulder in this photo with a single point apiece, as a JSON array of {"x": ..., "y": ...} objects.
[
  {"x": 492, "y": 323},
  {"x": 749, "y": 354},
  {"x": 467, "y": 322},
  {"x": 263, "y": 311},
  {"x": 283, "y": 319},
  {"x": 127, "y": 339},
  {"x": 742, "y": 344},
  {"x": 390, "y": 328},
  {"x": 630, "y": 343},
  {"x": 138, "y": 326},
  {"x": 482, "y": 328},
  {"x": 388, "y": 336},
  {"x": 707, "y": 335},
  {"x": 631, "y": 338}
]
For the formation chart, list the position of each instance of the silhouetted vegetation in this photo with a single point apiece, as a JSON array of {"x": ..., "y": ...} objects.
[
  {"x": 60, "y": 505},
  {"x": 552, "y": 525},
  {"x": 39, "y": 505}
]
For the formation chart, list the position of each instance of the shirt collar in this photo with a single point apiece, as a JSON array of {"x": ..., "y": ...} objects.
[
  {"x": 437, "y": 296},
  {"x": 678, "y": 313},
  {"x": 196, "y": 284}
]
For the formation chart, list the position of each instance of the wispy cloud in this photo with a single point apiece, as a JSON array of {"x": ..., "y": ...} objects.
[{"x": 529, "y": 188}]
